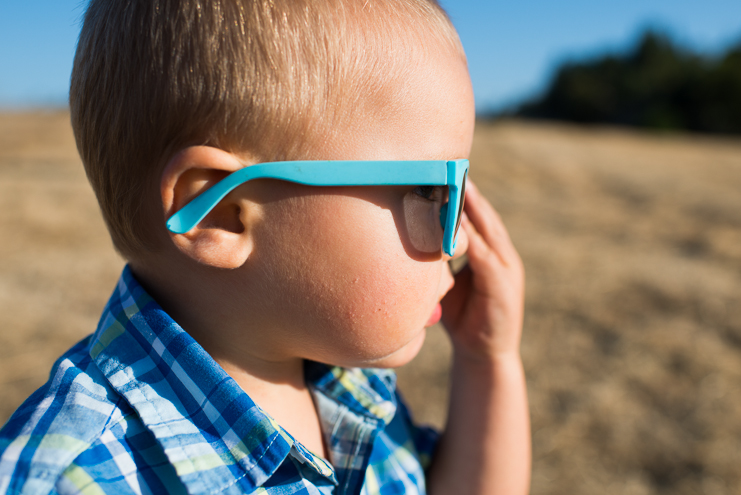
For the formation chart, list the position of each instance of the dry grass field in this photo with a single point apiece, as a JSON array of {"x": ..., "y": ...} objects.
[{"x": 632, "y": 245}]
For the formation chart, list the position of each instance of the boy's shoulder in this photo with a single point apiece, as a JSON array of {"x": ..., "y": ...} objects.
[
  {"x": 96, "y": 416},
  {"x": 58, "y": 422},
  {"x": 140, "y": 406}
]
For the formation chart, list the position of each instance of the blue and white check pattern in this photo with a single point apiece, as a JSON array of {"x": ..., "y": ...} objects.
[{"x": 140, "y": 407}]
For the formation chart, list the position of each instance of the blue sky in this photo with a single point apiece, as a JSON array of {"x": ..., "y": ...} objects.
[{"x": 513, "y": 46}]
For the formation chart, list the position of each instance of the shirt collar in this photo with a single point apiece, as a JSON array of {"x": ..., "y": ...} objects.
[
  {"x": 367, "y": 392},
  {"x": 209, "y": 428}
]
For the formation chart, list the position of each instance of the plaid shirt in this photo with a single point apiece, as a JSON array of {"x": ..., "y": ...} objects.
[{"x": 140, "y": 407}]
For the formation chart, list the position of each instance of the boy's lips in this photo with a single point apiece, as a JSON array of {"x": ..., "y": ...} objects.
[
  {"x": 437, "y": 313},
  {"x": 435, "y": 316}
]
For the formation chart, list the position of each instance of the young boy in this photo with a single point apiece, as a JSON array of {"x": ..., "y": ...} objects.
[{"x": 247, "y": 350}]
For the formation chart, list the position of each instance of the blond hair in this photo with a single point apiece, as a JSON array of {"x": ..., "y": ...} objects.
[{"x": 267, "y": 77}]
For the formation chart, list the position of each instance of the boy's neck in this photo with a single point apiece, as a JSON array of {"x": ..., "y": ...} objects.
[
  {"x": 281, "y": 391},
  {"x": 258, "y": 376},
  {"x": 278, "y": 386}
]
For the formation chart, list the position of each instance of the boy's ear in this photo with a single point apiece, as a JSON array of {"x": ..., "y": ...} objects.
[{"x": 222, "y": 239}]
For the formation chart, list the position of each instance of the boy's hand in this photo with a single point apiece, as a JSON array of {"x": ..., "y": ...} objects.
[
  {"x": 485, "y": 448},
  {"x": 483, "y": 312}
]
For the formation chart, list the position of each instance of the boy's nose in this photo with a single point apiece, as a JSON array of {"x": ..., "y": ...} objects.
[{"x": 461, "y": 246}]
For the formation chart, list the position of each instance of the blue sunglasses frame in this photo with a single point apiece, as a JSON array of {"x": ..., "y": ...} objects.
[{"x": 451, "y": 173}]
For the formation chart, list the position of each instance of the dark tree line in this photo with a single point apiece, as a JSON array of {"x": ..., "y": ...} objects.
[{"x": 655, "y": 85}]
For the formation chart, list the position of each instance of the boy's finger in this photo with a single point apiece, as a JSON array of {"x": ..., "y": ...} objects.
[
  {"x": 455, "y": 300},
  {"x": 488, "y": 222},
  {"x": 482, "y": 214},
  {"x": 481, "y": 258}
]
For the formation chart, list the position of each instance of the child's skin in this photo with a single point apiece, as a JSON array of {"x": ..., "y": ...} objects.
[{"x": 280, "y": 272}]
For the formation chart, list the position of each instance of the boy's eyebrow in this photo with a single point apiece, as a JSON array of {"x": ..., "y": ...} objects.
[{"x": 442, "y": 156}]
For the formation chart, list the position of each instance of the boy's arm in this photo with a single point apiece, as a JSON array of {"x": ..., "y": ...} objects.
[{"x": 485, "y": 448}]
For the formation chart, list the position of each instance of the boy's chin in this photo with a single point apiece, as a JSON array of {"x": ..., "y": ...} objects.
[{"x": 401, "y": 356}]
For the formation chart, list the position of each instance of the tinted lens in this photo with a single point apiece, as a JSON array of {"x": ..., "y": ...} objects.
[
  {"x": 461, "y": 202},
  {"x": 419, "y": 226}
]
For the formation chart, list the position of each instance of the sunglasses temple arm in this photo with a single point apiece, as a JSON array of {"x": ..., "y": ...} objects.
[{"x": 331, "y": 173}]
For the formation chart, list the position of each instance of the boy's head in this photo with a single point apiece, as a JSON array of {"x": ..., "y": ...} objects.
[
  {"x": 264, "y": 79},
  {"x": 168, "y": 97}
]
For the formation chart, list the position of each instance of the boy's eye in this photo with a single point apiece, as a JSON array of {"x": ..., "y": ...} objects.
[{"x": 427, "y": 192}]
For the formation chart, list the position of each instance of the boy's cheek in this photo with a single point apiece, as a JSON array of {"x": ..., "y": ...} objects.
[{"x": 347, "y": 278}]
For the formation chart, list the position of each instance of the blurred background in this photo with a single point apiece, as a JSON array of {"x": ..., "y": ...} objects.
[{"x": 608, "y": 139}]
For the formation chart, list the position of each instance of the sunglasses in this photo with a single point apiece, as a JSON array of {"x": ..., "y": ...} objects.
[{"x": 451, "y": 173}]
